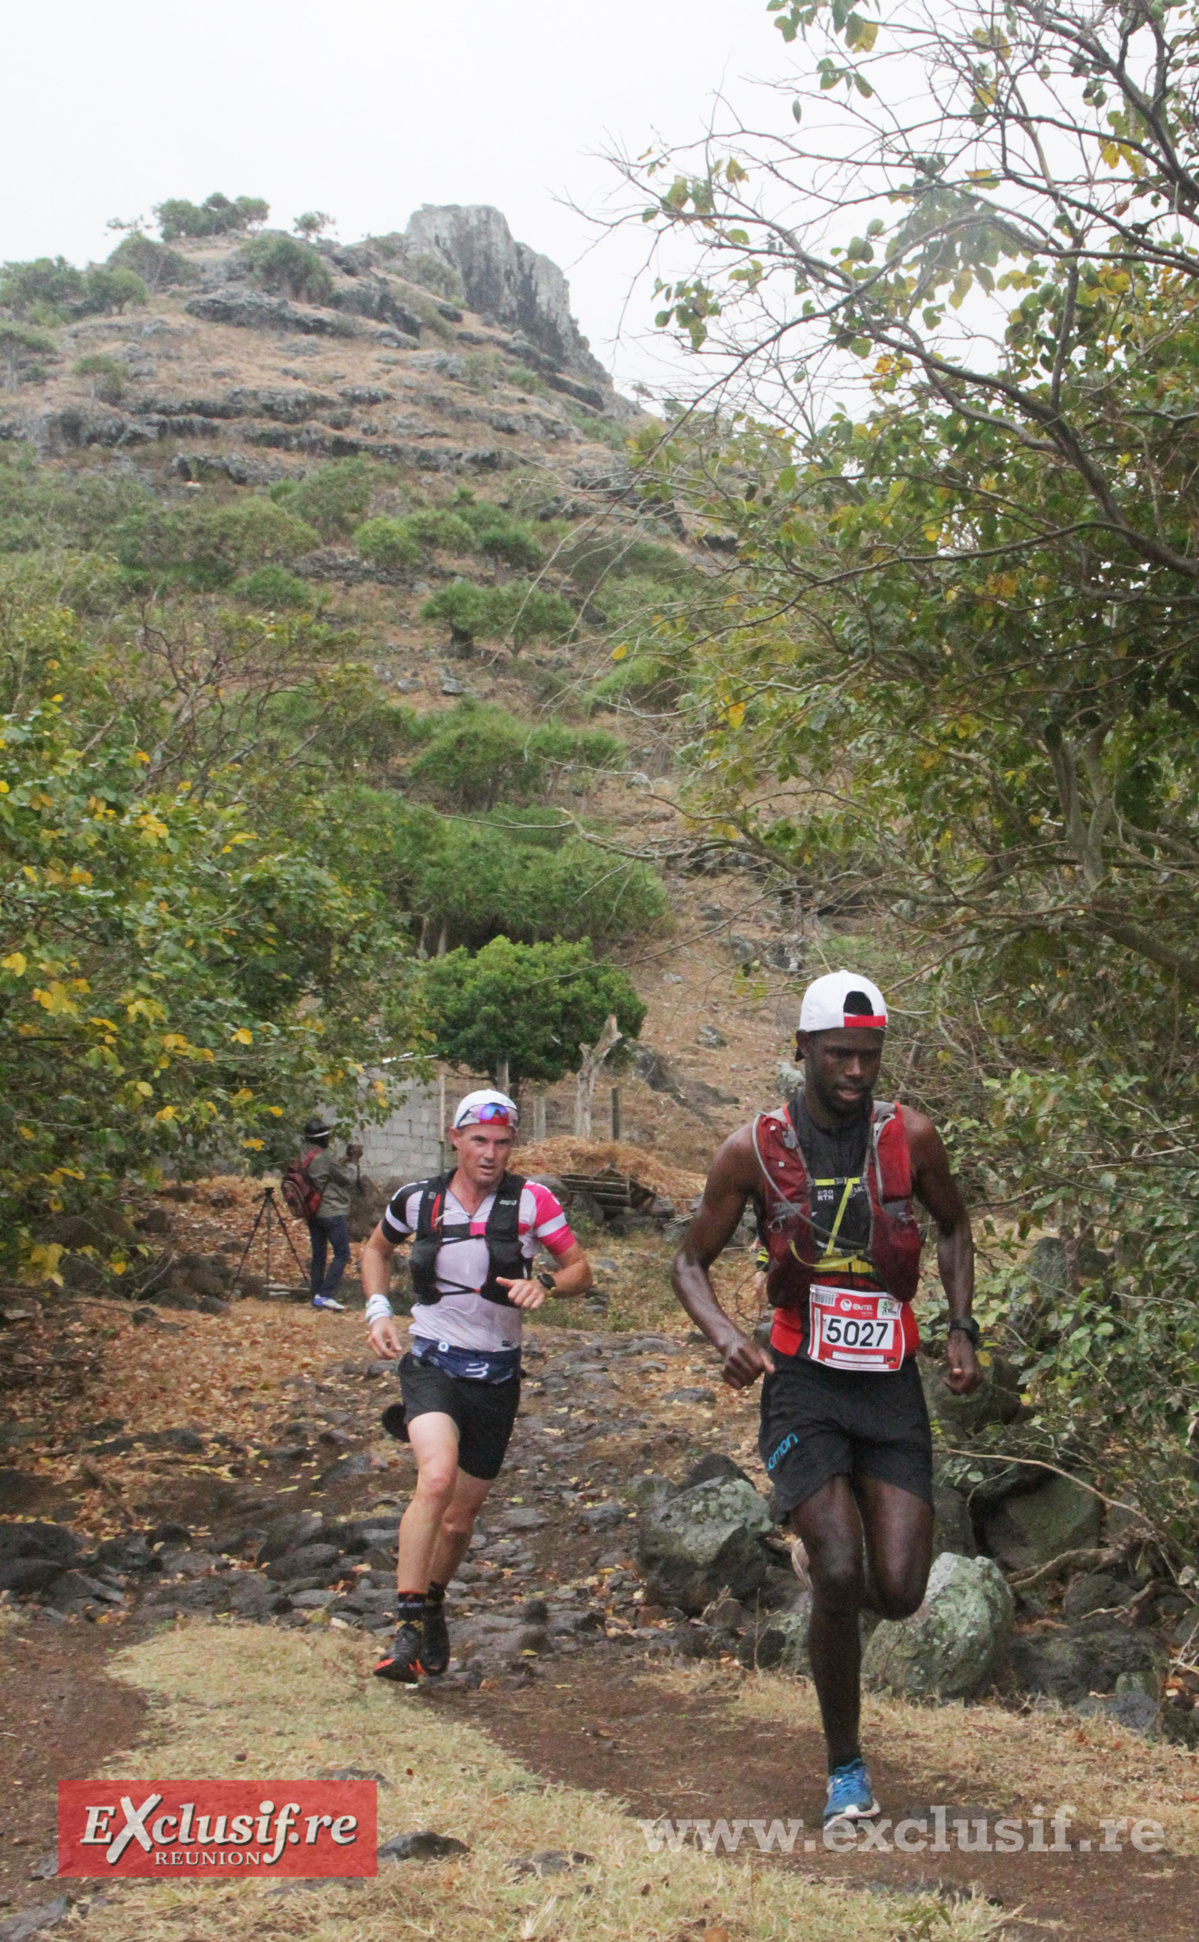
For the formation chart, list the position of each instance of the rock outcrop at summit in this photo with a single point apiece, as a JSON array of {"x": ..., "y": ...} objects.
[{"x": 504, "y": 279}]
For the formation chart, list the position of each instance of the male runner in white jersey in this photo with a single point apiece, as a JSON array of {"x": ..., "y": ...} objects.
[
  {"x": 845, "y": 1433},
  {"x": 475, "y": 1231}
]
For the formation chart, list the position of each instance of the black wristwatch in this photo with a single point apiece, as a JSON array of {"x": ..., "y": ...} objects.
[
  {"x": 967, "y": 1326},
  {"x": 547, "y": 1281}
]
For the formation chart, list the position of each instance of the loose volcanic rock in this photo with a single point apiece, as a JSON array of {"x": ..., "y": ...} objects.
[
  {"x": 705, "y": 1541},
  {"x": 950, "y": 1648}
]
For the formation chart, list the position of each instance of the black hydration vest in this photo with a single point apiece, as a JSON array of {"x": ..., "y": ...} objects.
[{"x": 505, "y": 1256}]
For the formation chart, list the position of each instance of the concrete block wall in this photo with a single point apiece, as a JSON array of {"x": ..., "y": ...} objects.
[{"x": 408, "y": 1145}]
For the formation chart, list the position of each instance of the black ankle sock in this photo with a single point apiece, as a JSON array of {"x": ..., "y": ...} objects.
[
  {"x": 435, "y": 1594},
  {"x": 410, "y": 1606}
]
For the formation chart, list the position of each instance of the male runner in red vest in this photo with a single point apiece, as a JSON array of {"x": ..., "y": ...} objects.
[{"x": 845, "y": 1433}]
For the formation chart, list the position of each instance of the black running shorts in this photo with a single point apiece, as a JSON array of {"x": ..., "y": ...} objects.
[
  {"x": 483, "y": 1411},
  {"x": 819, "y": 1423}
]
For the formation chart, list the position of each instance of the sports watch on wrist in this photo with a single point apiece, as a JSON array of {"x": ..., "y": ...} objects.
[
  {"x": 547, "y": 1281},
  {"x": 967, "y": 1326}
]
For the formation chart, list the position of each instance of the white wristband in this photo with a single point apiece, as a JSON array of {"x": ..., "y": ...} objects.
[{"x": 377, "y": 1308}]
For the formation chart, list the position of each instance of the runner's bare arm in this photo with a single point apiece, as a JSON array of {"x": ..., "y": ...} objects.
[
  {"x": 375, "y": 1268},
  {"x": 572, "y": 1276},
  {"x": 732, "y": 1179},
  {"x": 936, "y": 1187}
]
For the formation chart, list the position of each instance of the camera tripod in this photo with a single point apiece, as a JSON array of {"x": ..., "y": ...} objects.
[{"x": 269, "y": 1216}]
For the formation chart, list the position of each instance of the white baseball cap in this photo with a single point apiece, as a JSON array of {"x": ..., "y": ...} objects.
[
  {"x": 472, "y": 1110},
  {"x": 842, "y": 1000}
]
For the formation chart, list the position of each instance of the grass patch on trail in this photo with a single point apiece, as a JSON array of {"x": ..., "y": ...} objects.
[
  {"x": 1007, "y": 1759},
  {"x": 303, "y": 1702}
]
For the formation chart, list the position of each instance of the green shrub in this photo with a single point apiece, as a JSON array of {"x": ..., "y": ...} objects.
[
  {"x": 275, "y": 587},
  {"x": 482, "y": 883},
  {"x": 108, "y": 290},
  {"x": 334, "y": 498},
  {"x": 215, "y": 216},
  {"x": 482, "y": 756},
  {"x": 518, "y": 612},
  {"x": 50, "y": 289},
  {"x": 432, "y": 273},
  {"x": 203, "y": 546},
  {"x": 389, "y": 543},
  {"x": 531, "y": 1005},
  {"x": 498, "y": 535},
  {"x": 285, "y": 263},
  {"x": 311, "y": 223},
  {"x": 477, "y": 756},
  {"x": 158, "y": 267},
  {"x": 108, "y": 379},
  {"x": 522, "y": 379},
  {"x": 441, "y": 529},
  {"x": 20, "y": 337}
]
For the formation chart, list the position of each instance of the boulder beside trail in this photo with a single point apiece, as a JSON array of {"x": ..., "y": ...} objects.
[
  {"x": 950, "y": 1648},
  {"x": 702, "y": 1542},
  {"x": 1059, "y": 1515},
  {"x": 1098, "y": 1656}
]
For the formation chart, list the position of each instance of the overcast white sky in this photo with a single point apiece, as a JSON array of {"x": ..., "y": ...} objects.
[{"x": 365, "y": 110}]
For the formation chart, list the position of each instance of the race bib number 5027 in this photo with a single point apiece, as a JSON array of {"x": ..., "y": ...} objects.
[{"x": 851, "y": 1329}]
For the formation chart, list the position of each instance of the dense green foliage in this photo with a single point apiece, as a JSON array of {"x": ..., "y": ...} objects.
[
  {"x": 286, "y": 263},
  {"x": 519, "y": 611},
  {"x": 158, "y": 267},
  {"x": 217, "y": 215},
  {"x": 49, "y": 290},
  {"x": 478, "y": 756},
  {"x": 534, "y": 1005},
  {"x": 955, "y": 680},
  {"x": 174, "y": 968},
  {"x": 334, "y": 498}
]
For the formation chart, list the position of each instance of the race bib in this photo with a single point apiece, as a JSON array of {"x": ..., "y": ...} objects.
[{"x": 852, "y": 1329}]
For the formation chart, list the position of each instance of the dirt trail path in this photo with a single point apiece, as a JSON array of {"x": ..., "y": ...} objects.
[
  {"x": 668, "y": 1755},
  {"x": 228, "y": 1420}
]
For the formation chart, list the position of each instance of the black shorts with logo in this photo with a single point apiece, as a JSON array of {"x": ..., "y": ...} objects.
[
  {"x": 819, "y": 1423},
  {"x": 483, "y": 1411}
]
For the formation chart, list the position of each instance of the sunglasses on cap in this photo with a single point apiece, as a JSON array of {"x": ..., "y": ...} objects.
[{"x": 486, "y": 1115}]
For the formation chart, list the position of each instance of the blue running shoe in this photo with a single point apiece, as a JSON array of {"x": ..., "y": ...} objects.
[
  {"x": 327, "y": 1301},
  {"x": 850, "y": 1794}
]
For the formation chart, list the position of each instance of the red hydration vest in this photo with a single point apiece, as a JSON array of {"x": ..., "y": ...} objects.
[{"x": 893, "y": 1248}]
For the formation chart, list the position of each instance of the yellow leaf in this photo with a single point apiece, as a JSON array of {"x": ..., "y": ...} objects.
[
  {"x": 167, "y": 1113},
  {"x": 255, "y": 1146},
  {"x": 242, "y": 1037},
  {"x": 56, "y": 999},
  {"x": 26, "y": 1132},
  {"x": 619, "y": 653},
  {"x": 240, "y": 1096},
  {"x": 736, "y": 714},
  {"x": 3, "y": 788},
  {"x": 147, "y": 1092},
  {"x": 15, "y": 963}
]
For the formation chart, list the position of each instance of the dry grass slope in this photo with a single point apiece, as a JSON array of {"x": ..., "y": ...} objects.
[{"x": 301, "y": 1703}]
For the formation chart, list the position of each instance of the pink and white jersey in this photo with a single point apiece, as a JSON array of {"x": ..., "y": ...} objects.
[{"x": 462, "y": 1318}]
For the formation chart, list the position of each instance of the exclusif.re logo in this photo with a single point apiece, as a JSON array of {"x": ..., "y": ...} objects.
[{"x": 217, "y": 1827}]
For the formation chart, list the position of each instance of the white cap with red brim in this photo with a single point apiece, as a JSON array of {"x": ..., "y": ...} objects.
[
  {"x": 481, "y": 1108},
  {"x": 842, "y": 1001}
]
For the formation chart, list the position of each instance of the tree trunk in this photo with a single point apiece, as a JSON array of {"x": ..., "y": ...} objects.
[{"x": 588, "y": 1073}]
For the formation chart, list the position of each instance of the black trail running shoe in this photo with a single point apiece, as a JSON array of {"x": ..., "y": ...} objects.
[
  {"x": 401, "y": 1661},
  {"x": 435, "y": 1644}
]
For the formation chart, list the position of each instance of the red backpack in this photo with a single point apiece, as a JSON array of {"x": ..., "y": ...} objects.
[{"x": 300, "y": 1191}]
